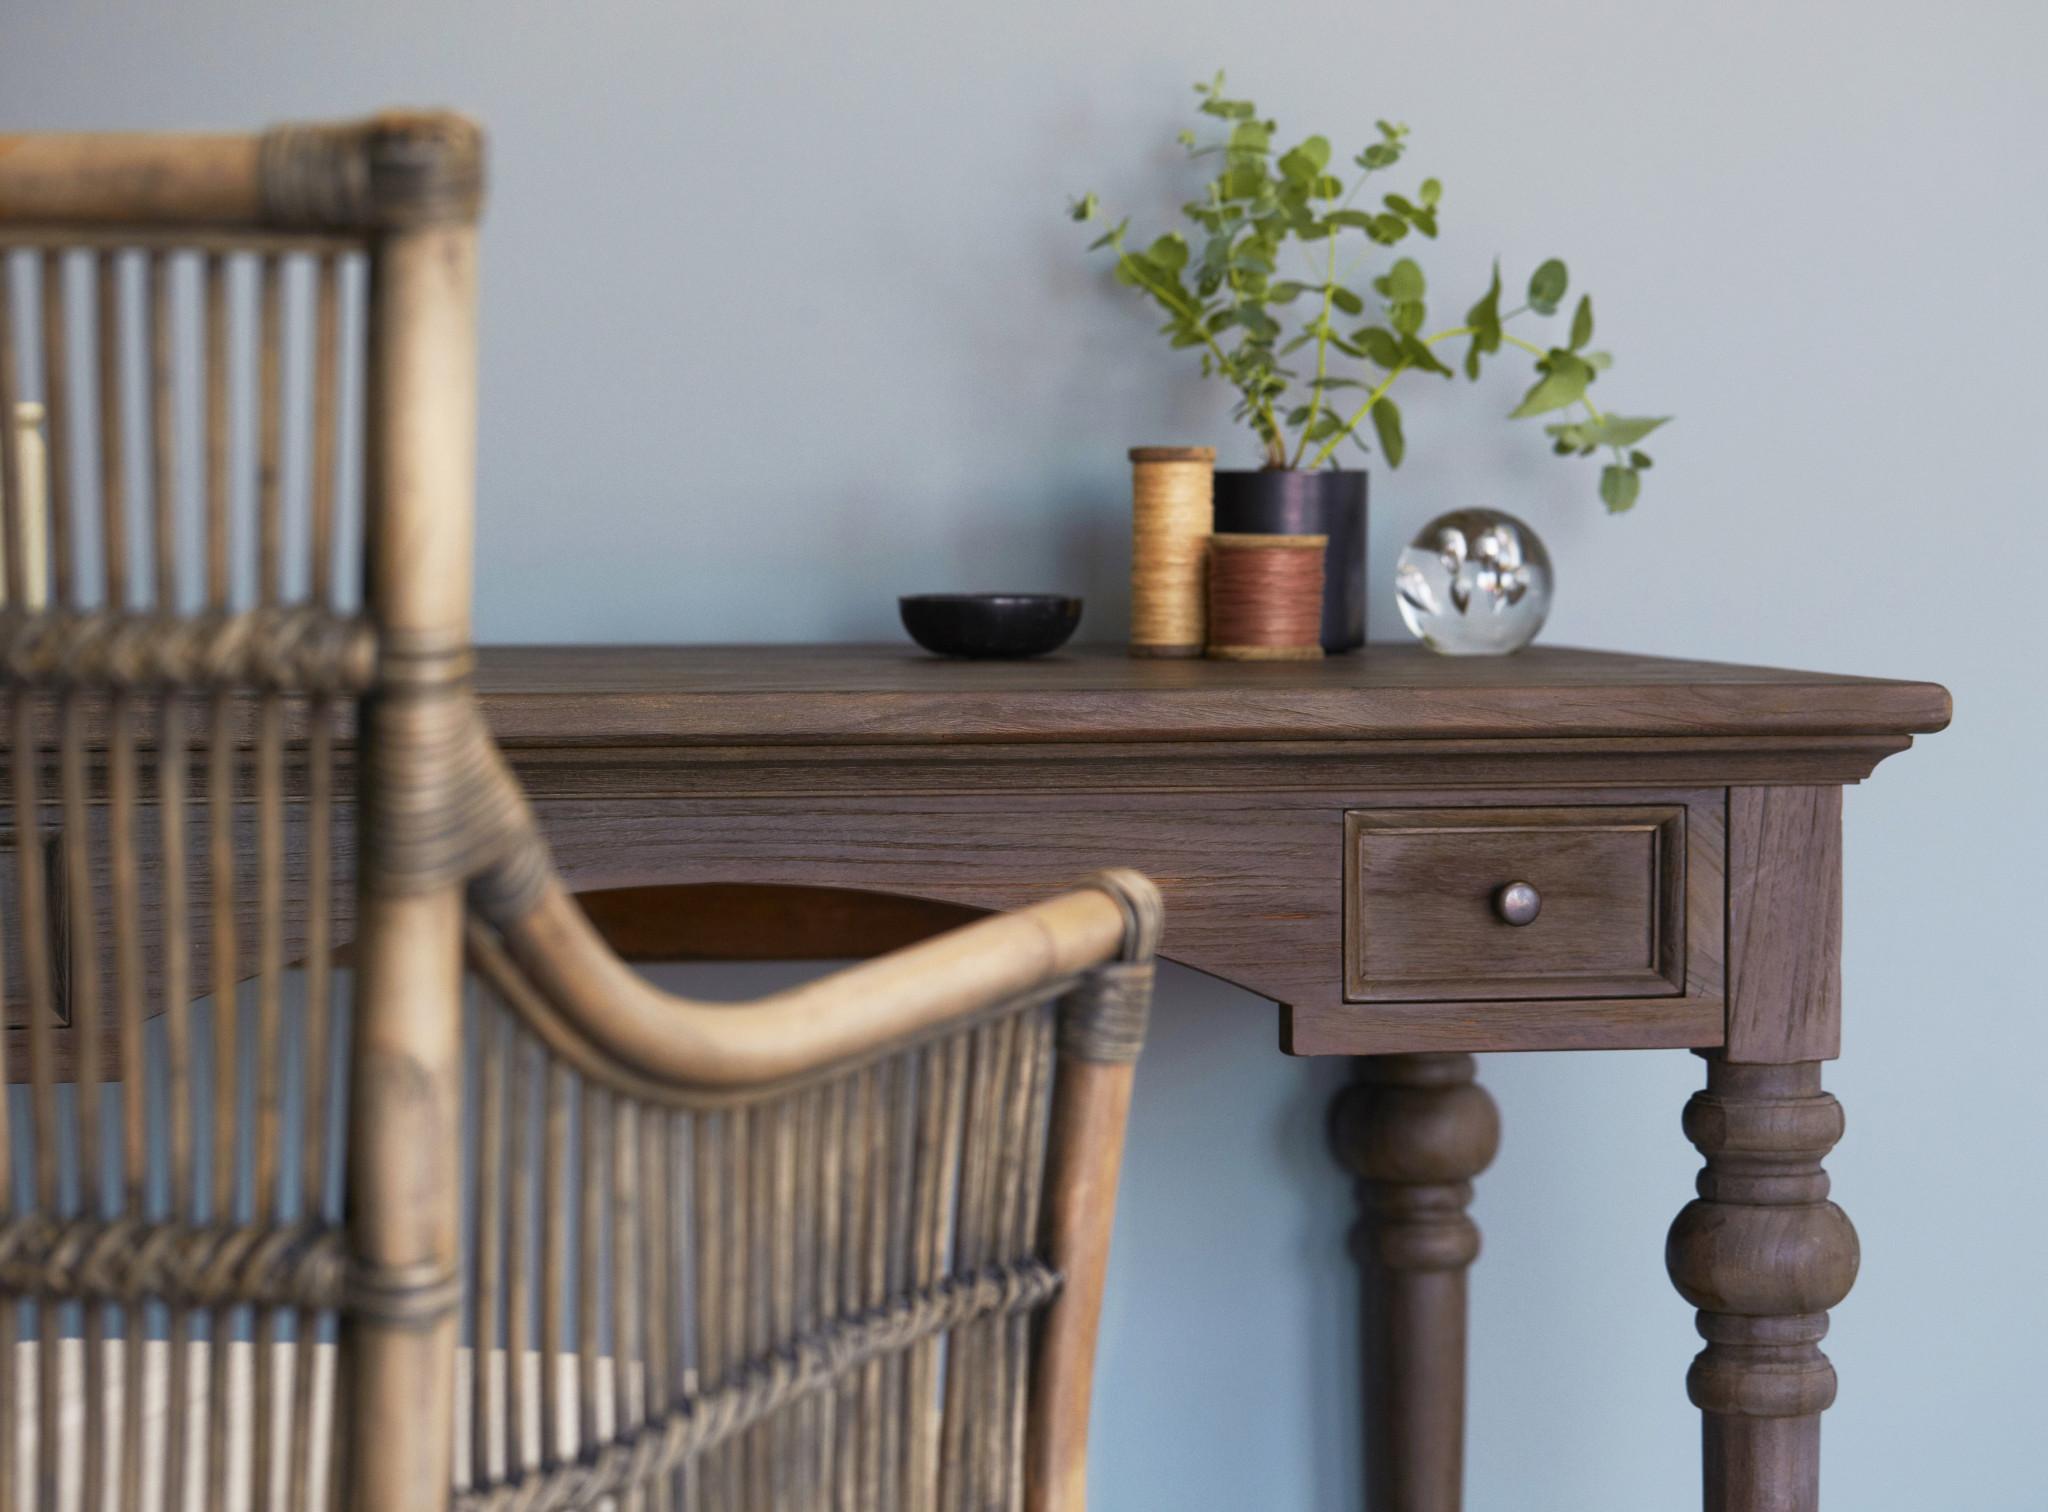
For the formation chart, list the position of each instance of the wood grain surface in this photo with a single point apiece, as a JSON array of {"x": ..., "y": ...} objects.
[
  {"x": 612, "y": 695},
  {"x": 1785, "y": 924}
]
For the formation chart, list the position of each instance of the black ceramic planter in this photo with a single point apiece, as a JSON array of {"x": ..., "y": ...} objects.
[{"x": 1278, "y": 502}]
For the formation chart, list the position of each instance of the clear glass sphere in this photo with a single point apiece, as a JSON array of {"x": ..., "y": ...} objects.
[{"x": 1474, "y": 582}]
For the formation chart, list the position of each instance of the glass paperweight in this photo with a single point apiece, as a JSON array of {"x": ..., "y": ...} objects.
[{"x": 1474, "y": 582}]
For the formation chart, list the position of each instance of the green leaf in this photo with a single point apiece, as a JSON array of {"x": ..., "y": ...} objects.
[
  {"x": 1402, "y": 281},
  {"x": 1406, "y": 316},
  {"x": 1582, "y": 322},
  {"x": 1305, "y": 163},
  {"x": 1484, "y": 318},
  {"x": 1347, "y": 301},
  {"x": 1601, "y": 361},
  {"x": 1640, "y": 461},
  {"x": 1430, "y": 192},
  {"x": 1609, "y": 430},
  {"x": 1381, "y": 346},
  {"x": 1286, "y": 291},
  {"x": 1242, "y": 181},
  {"x": 1251, "y": 136},
  {"x": 1619, "y": 487},
  {"x": 1110, "y": 237},
  {"x": 1387, "y": 229},
  {"x": 1420, "y": 356},
  {"x": 1257, "y": 321},
  {"x": 1421, "y": 217},
  {"x": 1169, "y": 252},
  {"x": 1563, "y": 382},
  {"x": 1547, "y": 287},
  {"x": 1386, "y": 420},
  {"x": 1359, "y": 219},
  {"x": 1086, "y": 208}
]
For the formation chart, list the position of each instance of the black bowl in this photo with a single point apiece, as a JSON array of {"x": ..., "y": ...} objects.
[{"x": 989, "y": 625}]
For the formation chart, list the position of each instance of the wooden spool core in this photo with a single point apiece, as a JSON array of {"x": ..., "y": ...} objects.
[
  {"x": 1172, "y": 514},
  {"x": 1266, "y": 597}
]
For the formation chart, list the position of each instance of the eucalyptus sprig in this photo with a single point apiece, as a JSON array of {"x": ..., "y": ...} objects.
[{"x": 1220, "y": 291}]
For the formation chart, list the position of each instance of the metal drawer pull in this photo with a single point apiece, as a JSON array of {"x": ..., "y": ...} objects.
[{"x": 1518, "y": 903}]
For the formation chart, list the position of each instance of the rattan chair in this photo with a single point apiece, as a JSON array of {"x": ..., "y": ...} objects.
[{"x": 346, "y": 1164}]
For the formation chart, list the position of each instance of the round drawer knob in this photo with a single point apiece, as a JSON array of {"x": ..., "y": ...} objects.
[{"x": 1518, "y": 903}]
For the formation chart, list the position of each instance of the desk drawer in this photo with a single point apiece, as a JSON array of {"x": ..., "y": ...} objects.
[{"x": 1426, "y": 919}]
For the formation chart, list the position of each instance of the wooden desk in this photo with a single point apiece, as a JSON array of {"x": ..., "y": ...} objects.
[{"x": 1339, "y": 837}]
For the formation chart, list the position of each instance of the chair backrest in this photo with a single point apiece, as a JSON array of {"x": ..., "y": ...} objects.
[
  {"x": 284, "y": 1211},
  {"x": 237, "y": 521}
]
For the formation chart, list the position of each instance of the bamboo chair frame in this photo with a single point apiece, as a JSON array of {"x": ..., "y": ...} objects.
[{"x": 1030, "y": 1021}]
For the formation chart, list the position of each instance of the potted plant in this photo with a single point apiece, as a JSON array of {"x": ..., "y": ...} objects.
[{"x": 1287, "y": 287}]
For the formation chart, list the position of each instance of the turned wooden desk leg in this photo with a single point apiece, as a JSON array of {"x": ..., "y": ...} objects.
[
  {"x": 1415, "y": 1130},
  {"x": 1762, "y": 1253}
]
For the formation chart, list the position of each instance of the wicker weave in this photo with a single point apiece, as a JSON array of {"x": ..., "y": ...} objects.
[{"x": 304, "y": 1221}]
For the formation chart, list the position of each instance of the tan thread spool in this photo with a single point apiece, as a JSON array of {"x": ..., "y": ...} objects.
[
  {"x": 1173, "y": 512},
  {"x": 1266, "y": 597}
]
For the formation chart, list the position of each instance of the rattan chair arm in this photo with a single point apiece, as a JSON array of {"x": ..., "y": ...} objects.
[{"x": 864, "y": 1008}]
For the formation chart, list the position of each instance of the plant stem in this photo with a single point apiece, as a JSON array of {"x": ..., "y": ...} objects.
[
  {"x": 1315, "y": 407},
  {"x": 1381, "y": 392},
  {"x": 1276, "y": 443}
]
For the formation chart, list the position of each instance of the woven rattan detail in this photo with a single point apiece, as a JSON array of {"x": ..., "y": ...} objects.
[
  {"x": 181, "y": 1265},
  {"x": 764, "y": 1385},
  {"x": 1144, "y": 910},
  {"x": 396, "y": 170},
  {"x": 274, "y": 650},
  {"x": 402, "y": 1296},
  {"x": 446, "y": 807},
  {"x": 1103, "y": 1019}
]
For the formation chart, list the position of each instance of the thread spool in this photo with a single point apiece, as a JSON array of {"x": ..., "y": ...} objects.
[
  {"x": 1172, "y": 516},
  {"x": 1266, "y": 597}
]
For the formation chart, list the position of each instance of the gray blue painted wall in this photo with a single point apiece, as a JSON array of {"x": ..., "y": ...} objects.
[{"x": 782, "y": 318}]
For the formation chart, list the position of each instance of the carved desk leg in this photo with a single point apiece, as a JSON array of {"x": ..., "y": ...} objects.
[
  {"x": 1415, "y": 1130},
  {"x": 1762, "y": 1253}
]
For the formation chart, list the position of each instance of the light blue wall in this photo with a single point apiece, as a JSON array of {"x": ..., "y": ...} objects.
[{"x": 782, "y": 319}]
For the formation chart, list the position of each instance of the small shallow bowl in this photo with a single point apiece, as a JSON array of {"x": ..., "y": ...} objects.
[{"x": 990, "y": 625}]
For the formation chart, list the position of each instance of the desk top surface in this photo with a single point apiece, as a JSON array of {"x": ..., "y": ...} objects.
[{"x": 895, "y": 694}]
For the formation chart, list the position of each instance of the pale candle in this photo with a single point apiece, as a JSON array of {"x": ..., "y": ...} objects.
[{"x": 35, "y": 509}]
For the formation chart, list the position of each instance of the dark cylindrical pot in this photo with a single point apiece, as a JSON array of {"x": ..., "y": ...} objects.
[{"x": 1280, "y": 502}]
